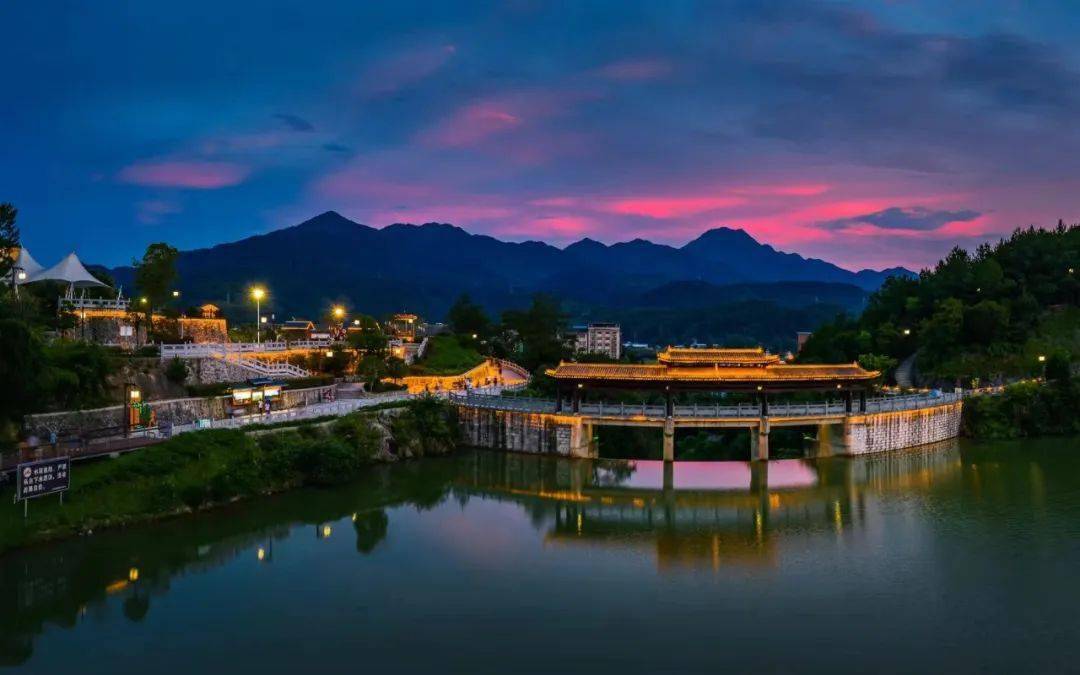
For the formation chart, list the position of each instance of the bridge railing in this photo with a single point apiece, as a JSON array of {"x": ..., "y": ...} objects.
[{"x": 698, "y": 411}]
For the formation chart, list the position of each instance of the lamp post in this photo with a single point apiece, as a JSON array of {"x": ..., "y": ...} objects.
[{"x": 258, "y": 293}]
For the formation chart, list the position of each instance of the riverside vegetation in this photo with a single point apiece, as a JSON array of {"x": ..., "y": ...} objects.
[{"x": 203, "y": 469}]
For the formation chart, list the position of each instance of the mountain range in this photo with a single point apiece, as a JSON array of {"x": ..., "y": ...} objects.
[{"x": 424, "y": 268}]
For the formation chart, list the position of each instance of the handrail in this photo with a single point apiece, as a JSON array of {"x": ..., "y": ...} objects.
[{"x": 474, "y": 399}]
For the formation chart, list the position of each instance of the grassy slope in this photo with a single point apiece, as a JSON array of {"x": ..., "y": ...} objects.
[{"x": 446, "y": 355}]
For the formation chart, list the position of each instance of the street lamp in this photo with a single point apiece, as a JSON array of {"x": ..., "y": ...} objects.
[
  {"x": 907, "y": 331},
  {"x": 258, "y": 293},
  {"x": 176, "y": 294},
  {"x": 339, "y": 312}
]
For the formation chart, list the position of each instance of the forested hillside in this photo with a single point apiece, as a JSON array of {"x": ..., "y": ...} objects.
[{"x": 986, "y": 316}]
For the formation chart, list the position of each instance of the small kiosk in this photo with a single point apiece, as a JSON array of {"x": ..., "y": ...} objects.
[{"x": 260, "y": 395}]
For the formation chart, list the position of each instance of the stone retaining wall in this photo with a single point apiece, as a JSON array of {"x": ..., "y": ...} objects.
[
  {"x": 881, "y": 432},
  {"x": 518, "y": 431},
  {"x": 176, "y": 411}
]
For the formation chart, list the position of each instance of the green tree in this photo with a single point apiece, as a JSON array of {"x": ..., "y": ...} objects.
[
  {"x": 9, "y": 237},
  {"x": 467, "y": 318},
  {"x": 540, "y": 330},
  {"x": 155, "y": 277},
  {"x": 21, "y": 369}
]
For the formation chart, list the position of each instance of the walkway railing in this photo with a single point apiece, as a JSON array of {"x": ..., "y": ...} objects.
[
  {"x": 656, "y": 410},
  {"x": 220, "y": 349}
]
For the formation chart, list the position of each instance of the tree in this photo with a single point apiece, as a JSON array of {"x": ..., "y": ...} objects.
[
  {"x": 540, "y": 330},
  {"x": 467, "y": 318},
  {"x": 21, "y": 369},
  {"x": 155, "y": 277},
  {"x": 9, "y": 237}
]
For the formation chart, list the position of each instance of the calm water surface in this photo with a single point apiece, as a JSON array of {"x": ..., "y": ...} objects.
[{"x": 960, "y": 558}]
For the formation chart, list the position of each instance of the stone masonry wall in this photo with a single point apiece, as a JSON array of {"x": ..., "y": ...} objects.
[
  {"x": 177, "y": 411},
  {"x": 881, "y": 432},
  {"x": 515, "y": 431}
]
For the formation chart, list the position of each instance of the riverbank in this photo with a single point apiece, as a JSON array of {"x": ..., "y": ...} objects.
[
  {"x": 204, "y": 469},
  {"x": 1025, "y": 410}
]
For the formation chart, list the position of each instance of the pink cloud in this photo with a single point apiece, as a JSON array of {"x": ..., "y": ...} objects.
[
  {"x": 151, "y": 211},
  {"x": 792, "y": 190},
  {"x": 669, "y": 207},
  {"x": 195, "y": 175},
  {"x": 399, "y": 71},
  {"x": 635, "y": 69},
  {"x": 470, "y": 125}
]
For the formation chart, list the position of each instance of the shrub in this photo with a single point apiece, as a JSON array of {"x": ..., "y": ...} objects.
[
  {"x": 177, "y": 371},
  {"x": 427, "y": 426}
]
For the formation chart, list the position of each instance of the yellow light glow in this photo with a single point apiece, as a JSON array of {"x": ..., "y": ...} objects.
[
  {"x": 258, "y": 293},
  {"x": 135, "y": 394},
  {"x": 1042, "y": 358},
  {"x": 326, "y": 531},
  {"x": 133, "y": 574},
  {"x": 329, "y": 354},
  {"x": 907, "y": 331},
  {"x": 143, "y": 300},
  {"x": 262, "y": 553},
  {"x": 262, "y": 319},
  {"x": 22, "y": 275},
  {"x": 356, "y": 322},
  {"x": 176, "y": 294},
  {"x": 339, "y": 311}
]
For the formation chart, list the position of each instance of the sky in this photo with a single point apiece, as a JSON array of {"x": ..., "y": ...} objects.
[{"x": 869, "y": 134}]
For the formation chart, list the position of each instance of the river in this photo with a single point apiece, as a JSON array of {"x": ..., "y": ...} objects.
[{"x": 958, "y": 558}]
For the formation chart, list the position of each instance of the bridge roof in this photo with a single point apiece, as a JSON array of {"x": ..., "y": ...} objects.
[
  {"x": 720, "y": 377},
  {"x": 722, "y": 356}
]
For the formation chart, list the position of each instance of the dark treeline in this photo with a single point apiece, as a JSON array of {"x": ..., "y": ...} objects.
[{"x": 983, "y": 317}]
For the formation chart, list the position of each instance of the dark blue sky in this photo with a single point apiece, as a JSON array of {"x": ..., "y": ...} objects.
[{"x": 870, "y": 134}]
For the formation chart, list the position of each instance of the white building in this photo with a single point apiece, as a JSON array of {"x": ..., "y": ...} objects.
[{"x": 599, "y": 338}]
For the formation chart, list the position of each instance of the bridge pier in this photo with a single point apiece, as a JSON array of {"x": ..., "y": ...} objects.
[
  {"x": 759, "y": 441},
  {"x": 831, "y": 440},
  {"x": 669, "y": 439}
]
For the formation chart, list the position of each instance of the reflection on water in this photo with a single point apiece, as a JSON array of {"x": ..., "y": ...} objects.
[{"x": 693, "y": 518}]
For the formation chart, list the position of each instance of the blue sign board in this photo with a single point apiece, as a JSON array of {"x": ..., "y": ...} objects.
[{"x": 44, "y": 477}]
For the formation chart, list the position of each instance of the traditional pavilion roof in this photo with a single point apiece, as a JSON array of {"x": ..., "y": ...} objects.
[
  {"x": 711, "y": 356},
  {"x": 714, "y": 369}
]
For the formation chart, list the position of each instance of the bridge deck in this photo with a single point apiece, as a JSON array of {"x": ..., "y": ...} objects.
[{"x": 707, "y": 415}]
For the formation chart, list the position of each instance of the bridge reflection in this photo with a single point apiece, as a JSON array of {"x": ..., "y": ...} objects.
[
  {"x": 684, "y": 514},
  {"x": 699, "y": 513}
]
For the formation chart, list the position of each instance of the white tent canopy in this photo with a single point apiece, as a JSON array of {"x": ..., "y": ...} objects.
[
  {"x": 25, "y": 263},
  {"x": 70, "y": 270}
]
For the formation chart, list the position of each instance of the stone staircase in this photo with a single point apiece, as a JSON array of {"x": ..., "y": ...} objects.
[
  {"x": 905, "y": 372},
  {"x": 269, "y": 368}
]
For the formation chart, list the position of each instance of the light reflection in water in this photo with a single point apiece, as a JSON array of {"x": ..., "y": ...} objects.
[{"x": 686, "y": 516}]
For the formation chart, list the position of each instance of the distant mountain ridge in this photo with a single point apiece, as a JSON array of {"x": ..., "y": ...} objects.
[{"x": 423, "y": 268}]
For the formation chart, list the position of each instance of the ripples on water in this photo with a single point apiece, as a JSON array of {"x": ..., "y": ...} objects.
[{"x": 956, "y": 557}]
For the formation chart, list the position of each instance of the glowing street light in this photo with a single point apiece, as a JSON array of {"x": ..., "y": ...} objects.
[
  {"x": 258, "y": 293},
  {"x": 1042, "y": 358},
  {"x": 176, "y": 294},
  {"x": 907, "y": 331},
  {"x": 339, "y": 312}
]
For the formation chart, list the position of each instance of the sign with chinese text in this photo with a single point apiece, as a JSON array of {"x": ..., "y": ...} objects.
[{"x": 44, "y": 477}]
